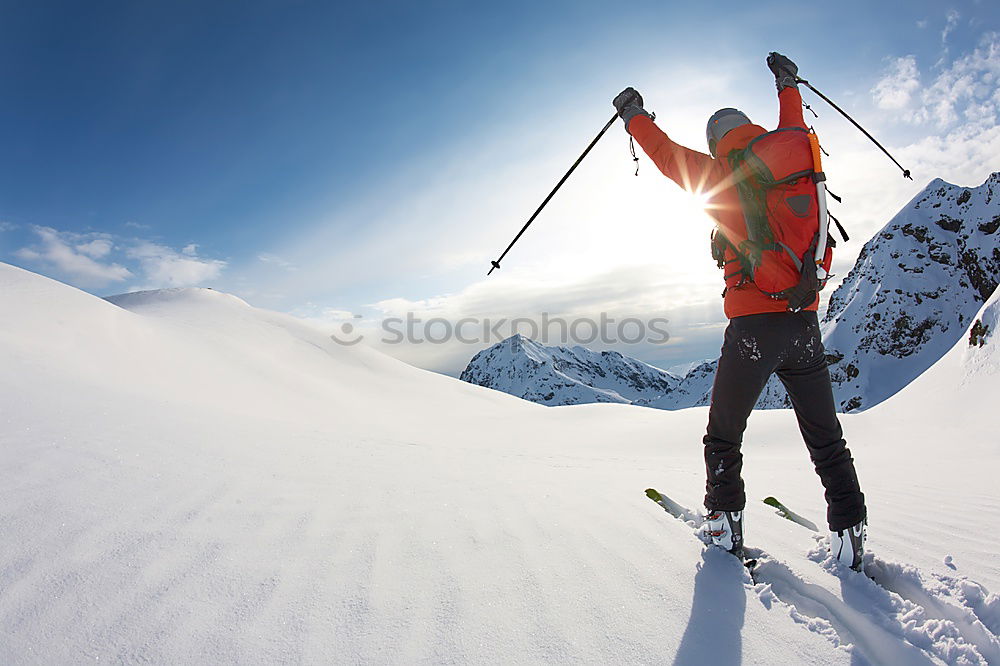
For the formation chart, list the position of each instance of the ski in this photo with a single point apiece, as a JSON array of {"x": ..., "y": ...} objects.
[
  {"x": 788, "y": 514},
  {"x": 696, "y": 521},
  {"x": 674, "y": 509}
]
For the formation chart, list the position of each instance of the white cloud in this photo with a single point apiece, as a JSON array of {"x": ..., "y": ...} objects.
[
  {"x": 337, "y": 315},
  {"x": 486, "y": 310},
  {"x": 966, "y": 153},
  {"x": 165, "y": 267},
  {"x": 74, "y": 256},
  {"x": 327, "y": 317},
  {"x": 275, "y": 261},
  {"x": 951, "y": 22},
  {"x": 964, "y": 89},
  {"x": 922, "y": 24},
  {"x": 95, "y": 260},
  {"x": 96, "y": 249},
  {"x": 136, "y": 225},
  {"x": 7, "y": 226},
  {"x": 895, "y": 89}
]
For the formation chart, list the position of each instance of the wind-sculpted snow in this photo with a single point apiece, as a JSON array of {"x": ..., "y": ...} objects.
[{"x": 195, "y": 480}]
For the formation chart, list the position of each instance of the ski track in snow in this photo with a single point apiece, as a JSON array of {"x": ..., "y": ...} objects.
[
  {"x": 889, "y": 615},
  {"x": 820, "y": 609},
  {"x": 934, "y": 605}
]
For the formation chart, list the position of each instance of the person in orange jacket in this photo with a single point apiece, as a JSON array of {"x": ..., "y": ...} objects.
[{"x": 763, "y": 336}]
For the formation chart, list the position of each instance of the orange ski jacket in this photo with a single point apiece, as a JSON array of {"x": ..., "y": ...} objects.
[{"x": 699, "y": 173}]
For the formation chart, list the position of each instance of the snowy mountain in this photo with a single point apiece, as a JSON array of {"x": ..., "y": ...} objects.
[
  {"x": 913, "y": 291},
  {"x": 185, "y": 478},
  {"x": 565, "y": 376},
  {"x": 554, "y": 376},
  {"x": 908, "y": 300},
  {"x": 695, "y": 390}
]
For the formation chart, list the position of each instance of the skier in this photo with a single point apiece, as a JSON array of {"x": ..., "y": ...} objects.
[{"x": 766, "y": 334}]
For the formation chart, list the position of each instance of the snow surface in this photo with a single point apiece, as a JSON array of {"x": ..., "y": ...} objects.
[
  {"x": 188, "y": 479},
  {"x": 982, "y": 355}
]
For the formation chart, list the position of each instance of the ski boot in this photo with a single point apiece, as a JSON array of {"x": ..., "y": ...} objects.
[
  {"x": 848, "y": 545},
  {"x": 726, "y": 530}
]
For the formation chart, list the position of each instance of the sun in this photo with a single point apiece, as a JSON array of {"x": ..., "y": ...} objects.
[{"x": 699, "y": 200}]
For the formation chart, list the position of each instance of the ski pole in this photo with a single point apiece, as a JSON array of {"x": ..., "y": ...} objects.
[
  {"x": 496, "y": 264},
  {"x": 906, "y": 172}
]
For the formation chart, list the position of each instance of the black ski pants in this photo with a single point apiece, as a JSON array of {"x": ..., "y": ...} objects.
[{"x": 789, "y": 344}]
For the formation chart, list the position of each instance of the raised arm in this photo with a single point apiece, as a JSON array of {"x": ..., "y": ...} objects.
[
  {"x": 789, "y": 100},
  {"x": 694, "y": 171},
  {"x": 790, "y": 108}
]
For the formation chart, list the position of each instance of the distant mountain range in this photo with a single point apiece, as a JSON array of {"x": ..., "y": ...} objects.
[
  {"x": 564, "y": 375},
  {"x": 911, "y": 295}
]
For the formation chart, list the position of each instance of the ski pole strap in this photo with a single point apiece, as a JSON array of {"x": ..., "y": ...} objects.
[
  {"x": 835, "y": 197},
  {"x": 631, "y": 144},
  {"x": 906, "y": 172}
]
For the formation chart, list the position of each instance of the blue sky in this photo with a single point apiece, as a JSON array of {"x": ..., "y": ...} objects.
[{"x": 371, "y": 158}]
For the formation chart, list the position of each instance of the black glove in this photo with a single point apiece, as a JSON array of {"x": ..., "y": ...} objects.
[
  {"x": 785, "y": 71},
  {"x": 629, "y": 105}
]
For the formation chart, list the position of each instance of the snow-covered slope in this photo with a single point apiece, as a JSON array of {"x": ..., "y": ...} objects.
[
  {"x": 982, "y": 354},
  {"x": 194, "y": 480},
  {"x": 553, "y": 375},
  {"x": 913, "y": 291}
]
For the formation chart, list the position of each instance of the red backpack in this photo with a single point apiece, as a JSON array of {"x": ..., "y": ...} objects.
[{"x": 786, "y": 252}]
